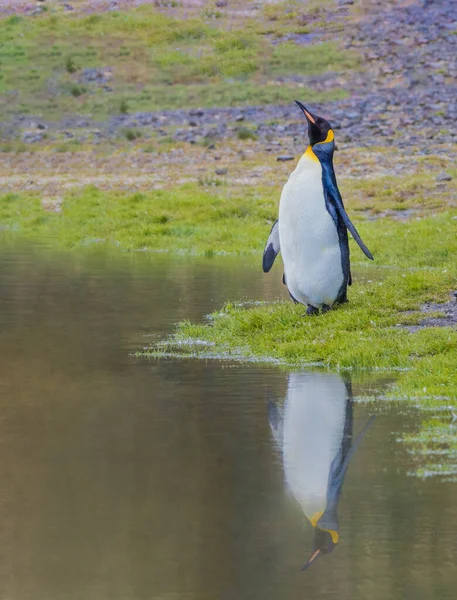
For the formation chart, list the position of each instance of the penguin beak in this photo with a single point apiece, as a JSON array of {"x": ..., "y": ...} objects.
[
  {"x": 312, "y": 559},
  {"x": 308, "y": 115}
]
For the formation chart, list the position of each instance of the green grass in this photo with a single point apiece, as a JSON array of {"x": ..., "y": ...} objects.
[
  {"x": 213, "y": 216},
  {"x": 187, "y": 218},
  {"x": 152, "y": 61},
  {"x": 367, "y": 333}
]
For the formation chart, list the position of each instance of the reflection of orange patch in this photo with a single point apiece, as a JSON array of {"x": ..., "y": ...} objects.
[
  {"x": 309, "y": 116},
  {"x": 315, "y": 518}
]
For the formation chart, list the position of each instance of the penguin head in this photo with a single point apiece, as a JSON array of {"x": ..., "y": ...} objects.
[
  {"x": 319, "y": 130},
  {"x": 324, "y": 542}
]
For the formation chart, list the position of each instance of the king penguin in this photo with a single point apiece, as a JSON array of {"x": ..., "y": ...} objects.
[
  {"x": 311, "y": 231},
  {"x": 314, "y": 434}
]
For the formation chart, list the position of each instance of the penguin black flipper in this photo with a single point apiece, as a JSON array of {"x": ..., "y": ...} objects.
[
  {"x": 271, "y": 248},
  {"x": 332, "y": 194},
  {"x": 341, "y": 462}
]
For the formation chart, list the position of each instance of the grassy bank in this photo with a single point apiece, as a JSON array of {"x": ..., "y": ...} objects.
[
  {"x": 116, "y": 62},
  {"x": 371, "y": 331}
]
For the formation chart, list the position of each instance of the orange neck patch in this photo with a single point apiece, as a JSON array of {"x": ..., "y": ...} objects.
[
  {"x": 310, "y": 154},
  {"x": 330, "y": 137},
  {"x": 309, "y": 151}
]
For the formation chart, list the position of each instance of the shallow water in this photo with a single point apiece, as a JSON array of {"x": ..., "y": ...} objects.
[{"x": 131, "y": 479}]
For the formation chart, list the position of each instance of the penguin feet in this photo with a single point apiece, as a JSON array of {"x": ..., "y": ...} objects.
[
  {"x": 326, "y": 308},
  {"x": 311, "y": 310}
]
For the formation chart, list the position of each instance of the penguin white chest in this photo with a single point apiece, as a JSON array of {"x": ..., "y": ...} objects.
[
  {"x": 309, "y": 238},
  {"x": 314, "y": 419}
]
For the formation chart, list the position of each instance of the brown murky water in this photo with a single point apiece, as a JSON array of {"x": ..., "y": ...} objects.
[{"x": 130, "y": 479}]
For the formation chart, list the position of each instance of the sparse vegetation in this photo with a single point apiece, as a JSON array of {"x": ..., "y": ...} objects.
[
  {"x": 172, "y": 62},
  {"x": 77, "y": 90},
  {"x": 70, "y": 65},
  {"x": 132, "y": 134},
  {"x": 244, "y": 133}
]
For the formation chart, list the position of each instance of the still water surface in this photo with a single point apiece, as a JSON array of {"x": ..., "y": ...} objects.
[{"x": 130, "y": 479}]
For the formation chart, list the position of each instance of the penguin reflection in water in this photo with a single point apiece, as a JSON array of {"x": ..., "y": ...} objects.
[
  {"x": 314, "y": 435},
  {"x": 311, "y": 231}
]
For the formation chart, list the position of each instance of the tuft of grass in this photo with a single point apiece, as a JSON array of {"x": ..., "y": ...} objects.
[
  {"x": 77, "y": 90},
  {"x": 131, "y": 134},
  {"x": 124, "y": 107},
  {"x": 70, "y": 65},
  {"x": 244, "y": 133}
]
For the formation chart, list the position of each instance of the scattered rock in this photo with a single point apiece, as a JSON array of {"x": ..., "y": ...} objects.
[
  {"x": 443, "y": 177},
  {"x": 408, "y": 50},
  {"x": 222, "y": 171},
  {"x": 30, "y": 137},
  {"x": 285, "y": 158},
  {"x": 449, "y": 318},
  {"x": 93, "y": 75}
]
